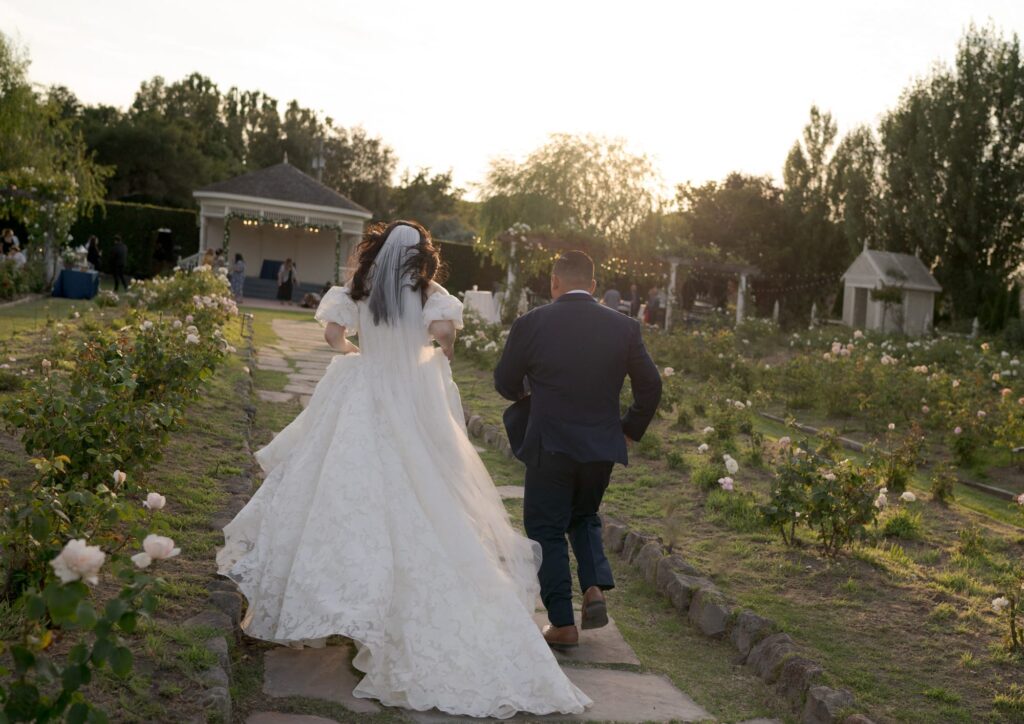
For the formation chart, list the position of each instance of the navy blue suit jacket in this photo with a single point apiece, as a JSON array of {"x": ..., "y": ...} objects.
[{"x": 576, "y": 355}]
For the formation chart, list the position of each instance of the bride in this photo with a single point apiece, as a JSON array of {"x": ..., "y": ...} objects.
[{"x": 378, "y": 521}]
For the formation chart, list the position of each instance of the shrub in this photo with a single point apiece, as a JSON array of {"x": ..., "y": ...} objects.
[
  {"x": 965, "y": 445},
  {"x": 706, "y": 475},
  {"x": 676, "y": 461},
  {"x": 903, "y": 524},
  {"x": 943, "y": 481},
  {"x": 482, "y": 343},
  {"x": 650, "y": 446},
  {"x": 684, "y": 419},
  {"x": 833, "y": 499}
]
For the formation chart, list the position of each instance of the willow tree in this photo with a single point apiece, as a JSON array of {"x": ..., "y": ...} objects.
[
  {"x": 47, "y": 176},
  {"x": 583, "y": 192}
]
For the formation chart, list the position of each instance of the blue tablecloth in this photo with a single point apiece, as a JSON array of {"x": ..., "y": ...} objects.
[{"x": 77, "y": 284}]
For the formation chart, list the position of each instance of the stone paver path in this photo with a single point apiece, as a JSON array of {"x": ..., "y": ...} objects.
[{"x": 604, "y": 665}]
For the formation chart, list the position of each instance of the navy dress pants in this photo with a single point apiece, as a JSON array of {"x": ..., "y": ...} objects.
[{"x": 561, "y": 499}]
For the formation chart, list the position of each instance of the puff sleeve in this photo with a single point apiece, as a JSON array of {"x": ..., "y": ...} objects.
[
  {"x": 440, "y": 306},
  {"x": 337, "y": 306}
]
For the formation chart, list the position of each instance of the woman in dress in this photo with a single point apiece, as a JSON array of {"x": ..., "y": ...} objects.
[
  {"x": 92, "y": 252},
  {"x": 378, "y": 521},
  {"x": 286, "y": 281},
  {"x": 238, "y": 277}
]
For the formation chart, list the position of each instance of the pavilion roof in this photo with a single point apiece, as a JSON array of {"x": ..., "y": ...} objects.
[{"x": 283, "y": 182}]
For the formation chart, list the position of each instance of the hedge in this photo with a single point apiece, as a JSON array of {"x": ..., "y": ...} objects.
[
  {"x": 465, "y": 268},
  {"x": 137, "y": 224}
]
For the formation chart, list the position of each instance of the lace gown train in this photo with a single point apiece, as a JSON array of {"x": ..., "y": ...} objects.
[{"x": 378, "y": 521}]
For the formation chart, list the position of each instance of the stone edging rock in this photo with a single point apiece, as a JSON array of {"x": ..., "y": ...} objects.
[
  {"x": 761, "y": 646},
  {"x": 222, "y": 614},
  {"x": 770, "y": 653}
]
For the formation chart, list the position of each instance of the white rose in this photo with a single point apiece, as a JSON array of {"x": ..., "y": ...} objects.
[
  {"x": 881, "y": 501},
  {"x": 708, "y": 430},
  {"x": 141, "y": 560},
  {"x": 731, "y": 466},
  {"x": 669, "y": 372},
  {"x": 176, "y": 324},
  {"x": 79, "y": 561},
  {"x": 119, "y": 477},
  {"x": 726, "y": 483},
  {"x": 908, "y": 497},
  {"x": 146, "y": 325},
  {"x": 703, "y": 448},
  {"x": 892, "y": 425},
  {"x": 998, "y": 604},
  {"x": 155, "y": 501},
  {"x": 159, "y": 547},
  {"x": 829, "y": 477},
  {"x": 46, "y": 364},
  {"x": 192, "y": 339},
  {"x": 784, "y": 441}
]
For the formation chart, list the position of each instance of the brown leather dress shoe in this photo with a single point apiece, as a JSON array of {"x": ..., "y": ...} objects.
[
  {"x": 562, "y": 637},
  {"x": 595, "y": 611}
]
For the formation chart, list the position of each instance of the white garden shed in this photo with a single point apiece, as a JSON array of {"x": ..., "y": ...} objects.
[{"x": 889, "y": 292}]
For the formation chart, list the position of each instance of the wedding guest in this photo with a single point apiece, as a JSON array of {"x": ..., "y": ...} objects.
[
  {"x": 238, "y": 277},
  {"x": 17, "y": 255},
  {"x": 611, "y": 298},
  {"x": 286, "y": 281},
  {"x": 220, "y": 260},
  {"x": 634, "y": 301},
  {"x": 7, "y": 240},
  {"x": 655, "y": 312},
  {"x": 119, "y": 262},
  {"x": 208, "y": 258},
  {"x": 92, "y": 252}
]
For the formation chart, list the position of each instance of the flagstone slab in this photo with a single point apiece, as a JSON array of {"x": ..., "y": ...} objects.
[
  {"x": 300, "y": 389},
  {"x": 619, "y": 696},
  {"x": 511, "y": 492},
  {"x": 314, "y": 674},
  {"x": 276, "y": 717},
  {"x": 603, "y": 645},
  {"x": 305, "y": 401},
  {"x": 274, "y": 396},
  {"x": 305, "y": 377}
]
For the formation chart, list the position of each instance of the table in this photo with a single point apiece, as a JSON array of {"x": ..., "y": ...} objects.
[
  {"x": 482, "y": 303},
  {"x": 77, "y": 284}
]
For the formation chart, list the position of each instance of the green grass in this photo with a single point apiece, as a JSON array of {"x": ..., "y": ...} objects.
[{"x": 914, "y": 608}]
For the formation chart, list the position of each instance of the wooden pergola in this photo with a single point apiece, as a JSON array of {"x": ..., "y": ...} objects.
[{"x": 742, "y": 272}]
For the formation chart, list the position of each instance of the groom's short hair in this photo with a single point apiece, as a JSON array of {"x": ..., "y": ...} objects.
[{"x": 574, "y": 266}]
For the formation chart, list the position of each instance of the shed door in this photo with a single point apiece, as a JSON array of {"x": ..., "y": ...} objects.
[{"x": 860, "y": 307}]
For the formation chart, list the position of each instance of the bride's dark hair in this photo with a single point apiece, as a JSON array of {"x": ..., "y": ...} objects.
[{"x": 423, "y": 266}]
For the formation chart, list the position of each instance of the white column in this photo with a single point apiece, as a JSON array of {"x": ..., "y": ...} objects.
[
  {"x": 741, "y": 298},
  {"x": 671, "y": 295},
  {"x": 202, "y": 231},
  {"x": 510, "y": 278}
]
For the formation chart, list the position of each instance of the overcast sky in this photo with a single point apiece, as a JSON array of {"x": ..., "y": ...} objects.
[{"x": 704, "y": 88}]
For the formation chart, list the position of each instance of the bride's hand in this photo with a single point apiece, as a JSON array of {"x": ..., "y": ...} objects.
[{"x": 448, "y": 348}]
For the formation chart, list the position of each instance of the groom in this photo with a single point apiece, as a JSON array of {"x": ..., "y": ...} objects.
[{"x": 573, "y": 355}]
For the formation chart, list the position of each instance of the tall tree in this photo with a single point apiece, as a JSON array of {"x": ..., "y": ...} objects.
[
  {"x": 817, "y": 251},
  {"x": 855, "y": 188},
  {"x": 953, "y": 166}
]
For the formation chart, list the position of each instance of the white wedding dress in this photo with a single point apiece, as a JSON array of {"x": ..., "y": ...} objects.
[{"x": 378, "y": 521}]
